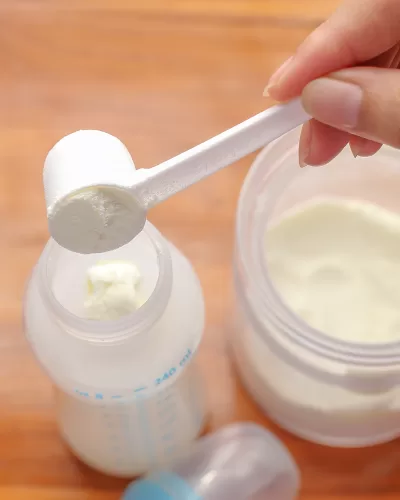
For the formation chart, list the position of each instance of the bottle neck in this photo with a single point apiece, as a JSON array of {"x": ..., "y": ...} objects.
[{"x": 149, "y": 248}]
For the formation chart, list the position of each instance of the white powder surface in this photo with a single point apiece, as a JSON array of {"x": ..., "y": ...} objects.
[
  {"x": 113, "y": 290},
  {"x": 337, "y": 265},
  {"x": 95, "y": 220}
]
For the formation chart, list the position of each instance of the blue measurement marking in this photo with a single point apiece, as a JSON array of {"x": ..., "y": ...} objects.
[
  {"x": 148, "y": 445},
  {"x": 165, "y": 405},
  {"x": 186, "y": 358},
  {"x": 113, "y": 437},
  {"x": 167, "y": 420},
  {"x": 140, "y": 389},
  {"x": 170, "y": 372},
  {"x": 84, "y": 394}
]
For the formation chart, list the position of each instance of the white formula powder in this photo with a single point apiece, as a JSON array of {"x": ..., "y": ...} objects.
[
  {"x": 94, "y": 220},
  {"x": 113, "y": 290},
  {"x": 337, "y": 265}
]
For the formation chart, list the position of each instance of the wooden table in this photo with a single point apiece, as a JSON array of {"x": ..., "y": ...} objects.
[{"x": 162, "y": 76}]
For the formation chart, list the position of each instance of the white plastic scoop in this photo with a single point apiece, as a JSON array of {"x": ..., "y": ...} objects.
[{"x": 97, "y": 201}]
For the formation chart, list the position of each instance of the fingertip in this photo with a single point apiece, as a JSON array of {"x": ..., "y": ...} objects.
[
  {"x": 320, "y": 143},
  {"x": 273, "y": 86},
  {"x": 363, "y": 147}
]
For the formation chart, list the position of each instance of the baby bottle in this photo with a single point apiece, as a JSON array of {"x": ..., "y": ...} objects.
[{"x": 128, "y": 394}]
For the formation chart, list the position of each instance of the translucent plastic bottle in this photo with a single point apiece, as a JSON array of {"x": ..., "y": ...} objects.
[
  {"x": 128, "y": 393},
  {"x": 240, "y": 462},
  {"x": 325, "y": 389}
]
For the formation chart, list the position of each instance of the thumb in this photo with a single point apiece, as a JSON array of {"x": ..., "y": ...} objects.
[{"x": 362, "y": 101}]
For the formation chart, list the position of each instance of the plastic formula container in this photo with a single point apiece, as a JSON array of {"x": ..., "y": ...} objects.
[
  {"x": 128, "y": 396},
  {"x": 326, "y": 390}
]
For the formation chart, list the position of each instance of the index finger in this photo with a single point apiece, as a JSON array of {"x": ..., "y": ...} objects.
[{"x": 357, "y": 32}]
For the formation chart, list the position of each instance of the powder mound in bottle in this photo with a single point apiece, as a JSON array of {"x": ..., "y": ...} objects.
[
  {"x": 113, "y": 290},
  {"x": 94, "y": 220}
]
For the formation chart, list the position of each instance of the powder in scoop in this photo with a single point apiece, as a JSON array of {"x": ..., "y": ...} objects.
[{"x": 94, "y": 220}]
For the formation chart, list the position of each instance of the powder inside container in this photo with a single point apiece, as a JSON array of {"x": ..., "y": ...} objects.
[
  {"x": 113, "y": 288},
  {"x": 95, "y": 220},
  {"x": 336, "y": 264}
]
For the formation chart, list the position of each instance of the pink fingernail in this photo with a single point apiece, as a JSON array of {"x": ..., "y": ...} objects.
[
  {"x": 305, "y": 145},
  {"x": 363, "y": 147},
  {"x": 277, "y": 76},
  {"x": 355, "y": 148},
  {"x": 334, "y": 102}
]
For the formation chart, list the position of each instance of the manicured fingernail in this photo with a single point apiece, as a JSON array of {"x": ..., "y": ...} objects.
[
  {"x": 355, "y": 149},
  {"x": 305, "y": 145},
  {"x": 302, "y": 163},
  {"x": 363, "y": 147},
  {"x": 333, "y": 102},
  {"x": 277, "y": 76}
]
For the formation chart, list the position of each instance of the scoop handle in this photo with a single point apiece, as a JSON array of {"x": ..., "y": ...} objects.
[{"x": 158, "y": 183}]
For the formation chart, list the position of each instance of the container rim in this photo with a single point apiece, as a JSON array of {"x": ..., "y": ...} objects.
[
  {"x": 110, "y": 331},
  {"x": 263, "y": 300}
]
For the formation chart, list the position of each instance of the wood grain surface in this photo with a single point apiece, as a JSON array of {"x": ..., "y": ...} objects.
[{"x": 162, "y": 76}]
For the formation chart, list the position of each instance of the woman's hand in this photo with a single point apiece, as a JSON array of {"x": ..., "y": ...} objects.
[{"x": 347, "y": 73}]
